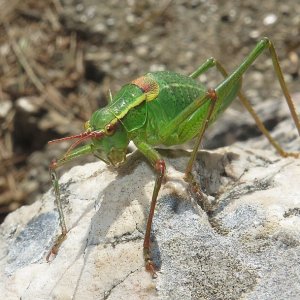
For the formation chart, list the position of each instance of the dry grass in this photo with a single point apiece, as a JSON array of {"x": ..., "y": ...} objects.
[{"x": 43, "y": 63}]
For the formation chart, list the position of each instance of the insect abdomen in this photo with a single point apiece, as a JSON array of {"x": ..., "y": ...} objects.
[{"x": 176, "y": 92}]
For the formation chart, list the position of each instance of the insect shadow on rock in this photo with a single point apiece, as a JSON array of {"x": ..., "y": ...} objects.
[{"x": 164, "y": 108}]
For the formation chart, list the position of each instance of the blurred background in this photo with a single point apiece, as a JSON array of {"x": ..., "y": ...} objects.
[{"x": 59, "y": 58}]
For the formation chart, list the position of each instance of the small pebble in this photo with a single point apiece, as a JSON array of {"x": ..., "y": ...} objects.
[
  {"x": 28, "y": 105},
  {"x": 270, "y": 19},
  {"x": 5, "y": 108}
]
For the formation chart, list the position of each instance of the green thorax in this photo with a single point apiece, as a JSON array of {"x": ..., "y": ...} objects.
[
  {"x": 155, "y": 98},
  {"x": 128, "y": 106}
]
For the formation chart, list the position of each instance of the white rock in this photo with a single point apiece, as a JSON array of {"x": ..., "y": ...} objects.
[{"x": 246, "y": 245}]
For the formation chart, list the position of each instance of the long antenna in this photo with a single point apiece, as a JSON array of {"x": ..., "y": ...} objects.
[
  {"x": 72, "y": 137},
  {"x": 82, "y": 137}
]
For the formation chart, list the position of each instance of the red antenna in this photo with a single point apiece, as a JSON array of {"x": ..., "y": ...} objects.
[{"x": 82, "y": 137}]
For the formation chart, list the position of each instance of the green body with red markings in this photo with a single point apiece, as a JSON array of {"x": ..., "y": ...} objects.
[
  {"x": 143, "y": 108},
  {"x": 163, "y": 108}
]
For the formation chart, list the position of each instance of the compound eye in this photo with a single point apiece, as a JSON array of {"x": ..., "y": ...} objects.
[{"x": 110, "y": 129}]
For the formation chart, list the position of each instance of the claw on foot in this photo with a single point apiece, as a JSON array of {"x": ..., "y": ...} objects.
[
  {"x": 195, "y": 189},
  {"x": 291, "y": 154},
  {"x": 194, "y": 186},
  {"x": 149, "y": 264},
  {"x": 151, "y": 268},
  {"x": 54, "y": 250}
]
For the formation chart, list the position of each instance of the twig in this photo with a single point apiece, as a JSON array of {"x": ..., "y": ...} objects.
[
  {"x": 53, "y": 95},
  {"x": 58, "y": 6},
  {"x": 53, "y": 19},
  {"x": 23, "y": 61}
]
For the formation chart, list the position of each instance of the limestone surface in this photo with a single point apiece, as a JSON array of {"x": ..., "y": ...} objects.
[{"x": 241, "y": 241}]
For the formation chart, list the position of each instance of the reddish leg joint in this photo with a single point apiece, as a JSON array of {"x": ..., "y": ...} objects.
[
  {"x": 53, "y": 165},
  {"x": 212, "y": 94},
  {"x": 160, "y": 167}
]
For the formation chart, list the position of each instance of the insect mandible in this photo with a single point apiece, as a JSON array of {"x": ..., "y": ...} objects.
[{"x": 163, "y": 108}]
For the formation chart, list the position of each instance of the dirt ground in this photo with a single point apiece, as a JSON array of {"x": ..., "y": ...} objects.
[{"x": 59, "y": 58}]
